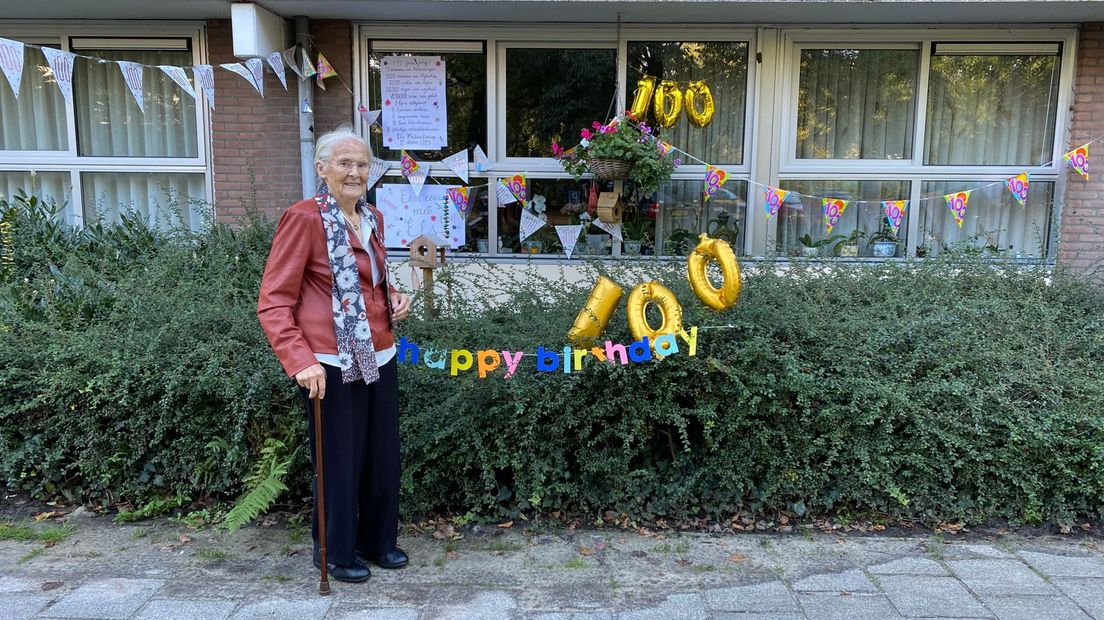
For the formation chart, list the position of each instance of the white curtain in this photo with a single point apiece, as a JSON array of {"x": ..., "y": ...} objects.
[
  {"x": 991, "y": 110},
  {"x": 856, "y": 104},
  {"x": 162, "y": 199},
  {"x": 36, "y": 120},
  {"x": 801, "y": 215},
  {"x": 685, "y": 214},
  {"x": 994, "y": 219},
  {"x": 47, "y": 186},
  {"x": 109, "y": 122}
]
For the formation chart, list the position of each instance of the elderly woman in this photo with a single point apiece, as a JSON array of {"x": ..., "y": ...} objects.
[{"x": 328, "y": 310}]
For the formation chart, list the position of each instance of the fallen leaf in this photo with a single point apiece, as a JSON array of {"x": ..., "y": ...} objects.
[
  {"x": 184, "y": 538},
  {"x": 586, "y": 551},
  {"x": 50, "y": 543},
  {"x": 878, "y": 528},
  {"x": 506, "y": 524},
  {"x": 737, "y": 557},
  {"x": 1064, "y": 529},
  {"x": 42, "y": 516},
  {"x": 52, "y": 585},
  {"x": 783, "y": 519},
  {"x": 1086, "y": 527},
  {"x": 682, "y": 562}
]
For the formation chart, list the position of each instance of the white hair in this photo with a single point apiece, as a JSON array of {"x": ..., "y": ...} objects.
[{"x": 323, "y": 146}]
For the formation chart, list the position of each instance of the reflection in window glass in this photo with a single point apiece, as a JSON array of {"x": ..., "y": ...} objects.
[
  {"x": 995, "y": 222},
  {"x": 801, "y": 227},
  {"x": 36, "y": 120},
  {"x": 991, "y": 110},
  {"x": 559, "y": 202},
  {"x": 856, "y": 104},
  {"x": 162, "y": 199},
  {"x": 684, "y": 214},
  {"x": 723, "y": 67},
  {"x": 551, "y": 94},
  {"x": 47, "y": 186},
  {"x": 109, "y": 122},
  {"x": 465, "y": 100}
]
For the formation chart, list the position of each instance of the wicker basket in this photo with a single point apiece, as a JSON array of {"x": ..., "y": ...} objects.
[{"x": 611, "y": 169}]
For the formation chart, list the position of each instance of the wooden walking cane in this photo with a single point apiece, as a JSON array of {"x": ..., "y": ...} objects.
[{"x": 320, "y": 499}]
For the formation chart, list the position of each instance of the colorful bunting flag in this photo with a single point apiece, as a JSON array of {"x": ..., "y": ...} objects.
[
  {"x": 408, "y": 163},
  {"x": 1018, "y": 186},
  {"x": 459, "y": 198},
  {"x": 11, "y": 59},
  {"x": 276, "y": 61},
  {"x": 569, "y": 236},
  {"x": 61, "y": 66},
  {"x": 458, "y": 163},
  {"x": 956, "y": 202},
  {"x": 529, "y": 224},
  {"x": 895, "y": 213},
  {"x": 774, "y": 199},
  {"x": 178, "y": 75},
  {"x": 833, "y": 211},
  {"x": 664, "y": 147},
  {"x": 132, "y": 74},
  {"x": 714, "y": 179},
  {"x": 379, "y": 167},
  {"x": 613, "y": 229},
  {"x": 413, "y": 172},
  {"x": 308, "y": 69},
  {"x": 239, "y": 68},
  {"x": 505, "y": 196},
  {"x": 516, "y": 185},
  {"x": 291, "y": 61},
  {"x": 482, "y": 164},
  {"x": 205, "y": 77},
  {"x": 1078, "y": 159},
  {"x": 325, "y": 70}
]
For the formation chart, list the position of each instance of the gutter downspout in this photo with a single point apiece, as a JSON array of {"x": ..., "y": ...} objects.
[{"x": 306, "y": 119}]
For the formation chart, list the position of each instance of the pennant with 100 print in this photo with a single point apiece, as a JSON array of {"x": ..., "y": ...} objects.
[
  {"x": 956, "y": 202},
  {"x": 61, "y": 65},
  {"x": 459, "y": 198},
  {"x": 414, "y": 172},
  {"x": 505, "y": 196},
  {"x": 529, "y": 224},
  {"x": 237, "y": 67},
  {"x": 132, "y": 74},
  {"x": 774, "y": 199},
  {"x": 895, "y": 213},
  {"x": 613, "y": 229},
  {"x": 833, "y": 211},
  {"x": 569, "y": 236},
  {"x": 276, "y": 61},
  {"x": 714, "y": 179},
  {"x": 205, "y": 77},
  {"x": 379, "y": 167},
  {"x": 517, "y": 186},
  {"x": 11, "y": 58},
  {"x": 292, "y": 61},
  {"x": 178, "y": 75},
  {"x": 458, "y": 163},
  {"x": 1018, "y": 186},
  {"x": 1078, "y": 159},
  {"x": 325, "y": 70}
]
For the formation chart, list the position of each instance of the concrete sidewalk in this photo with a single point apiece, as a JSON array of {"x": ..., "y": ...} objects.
[{"x": 162, "y": 569}]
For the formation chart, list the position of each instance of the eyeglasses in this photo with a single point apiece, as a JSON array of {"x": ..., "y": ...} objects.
[{"x": 345, "y": 165}]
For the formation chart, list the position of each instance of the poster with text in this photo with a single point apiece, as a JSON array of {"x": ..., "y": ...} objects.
[
  {"x": 405, "y": 216},
  {"x": 413, "y": 92}
]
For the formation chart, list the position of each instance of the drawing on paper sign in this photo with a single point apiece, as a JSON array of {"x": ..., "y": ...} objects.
[
  {"x": 405, "y": 216},
  {"x": 414, "y": 108}
]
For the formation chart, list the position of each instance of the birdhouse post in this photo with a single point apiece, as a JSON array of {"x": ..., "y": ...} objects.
[{"x": 428, "y": 253}]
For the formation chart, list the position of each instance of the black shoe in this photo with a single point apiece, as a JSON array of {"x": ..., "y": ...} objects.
[
  {"x": 396, "y": 558},
  {"x": 357, "y": 573}
]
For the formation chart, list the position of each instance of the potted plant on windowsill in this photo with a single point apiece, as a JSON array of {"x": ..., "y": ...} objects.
[
  {"x": 811, "y": 249},
  {"x": 635, "y": 232},
  {"x": 848, "y": 247},
  {"x": 620, "y": 149},
  {"x": 883, "y": 244}
]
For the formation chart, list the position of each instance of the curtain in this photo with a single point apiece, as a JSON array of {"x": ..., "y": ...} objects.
[
  {"x": 856, "y": 104},
  {"x": 685, "y": 214},
  {"x": 47, "y": 186},
  {"x": 994, "y": 220},
  {"x": 162, "y": 199},
  {"x": 991, "y": 110},
  {"x": 36, "y": 120},
  {"x": 801, "y": 215},
  {"x": 109, "y": 122}
]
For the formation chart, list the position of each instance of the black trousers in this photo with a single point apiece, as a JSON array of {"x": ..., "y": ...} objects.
[{"x": 360, "y": 438}]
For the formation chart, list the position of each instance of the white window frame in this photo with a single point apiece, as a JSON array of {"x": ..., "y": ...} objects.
[{"x": 130, "y": 34}]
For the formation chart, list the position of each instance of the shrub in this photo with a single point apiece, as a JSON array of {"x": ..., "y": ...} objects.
[{"x": 133, "y": 367}]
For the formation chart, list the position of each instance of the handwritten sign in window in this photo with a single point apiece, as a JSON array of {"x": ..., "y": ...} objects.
[
  {"x": 405, "y": 216},
  {"x": 413, "y": 94}
]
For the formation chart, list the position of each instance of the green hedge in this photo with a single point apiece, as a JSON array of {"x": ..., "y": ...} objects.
[{"x": 133, "y": 367}]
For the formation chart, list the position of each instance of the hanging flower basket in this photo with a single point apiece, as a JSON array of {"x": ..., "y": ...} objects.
[{"x": 610, "y": 169}]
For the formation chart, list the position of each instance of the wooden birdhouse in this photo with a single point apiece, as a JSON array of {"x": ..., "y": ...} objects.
[
  {"x": 610, "y": 207},
  {"x": 427, "y": 251}
]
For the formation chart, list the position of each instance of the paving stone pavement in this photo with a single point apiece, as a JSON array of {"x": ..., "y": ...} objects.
[{"x": 163, "y": 570}]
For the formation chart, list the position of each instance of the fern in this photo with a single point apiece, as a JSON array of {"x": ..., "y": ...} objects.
[{"x": 264, "y": 485}]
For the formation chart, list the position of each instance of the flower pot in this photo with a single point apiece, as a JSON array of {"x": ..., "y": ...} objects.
[
  {"x": 849, "y": 250},
  {"x": 632, "y": 248},
  {"x": 810, "y": 252},
  {"x": 531, "y": 246},
  {"x": 481, "y": 245},
  {"x": 884, "y": 249},
  {"x": 610, "y": 169}
]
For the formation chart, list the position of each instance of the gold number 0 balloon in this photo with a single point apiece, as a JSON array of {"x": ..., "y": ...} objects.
[
  {"x": 703, "y": 118},
  {"x": 644, "y": 89},
  {"x": 666, "y": 117},
  {"x": 718, "y": 250},
  {"x": 669, "y": 309},
  {"x": 595, "y": 315}
]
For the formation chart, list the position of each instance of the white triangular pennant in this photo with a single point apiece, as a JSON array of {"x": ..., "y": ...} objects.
[
  {"x": 505, "y": 196},
  {"x": 276, "y": 61},
  {"x": 379, "y": 167},
  {"x": 458, "y": 163},
  {"x": 178, "y": 75},
  {"x": 569, "y": 236},
  {"x": 529, "y": 224},
  {"x": 256, "y": 70},
  {"x": 132, "y": 74},
  {"x": 417, "y": 180},
  {"x": 612, "y": 229},
  {"x": 205, "y": 77},
  {"x": 482, "y": 164},
  {"x": 61, "y": 65},
  {"x": 369, "y": 116},
  {"x": 240, "y": 69},
  {"x": 291, "y": 61},
  {"x": 11, "y": 59}
]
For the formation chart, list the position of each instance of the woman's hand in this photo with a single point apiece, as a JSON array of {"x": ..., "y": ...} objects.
[
  {"x": 400, "y": 305},
  {"x": 314, "y": 379}
]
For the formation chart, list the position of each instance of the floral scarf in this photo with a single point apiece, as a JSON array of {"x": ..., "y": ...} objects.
[{"x": 354, "y": 335}]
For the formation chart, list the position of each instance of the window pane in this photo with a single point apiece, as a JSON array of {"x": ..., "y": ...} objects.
[
  {"x": 804, "y": 215},
  {"x": 856, "y": 104},
  {"x": 551, "y": 94},
  {"x": 47, "y": 186},
  {"x": 162, "y": 199},
  {"x": 36, "y": 120},
  {"x": 684, "y": 214},
  {"x": 475, "y": 224},
  {"x": 991, "y": 110},
  {"x": 465, "y": 101},
  {"x": 109, "y": 122},
  {"x": 564, "y": 201},
  {"x": 723, "y": 67},
  {"x": 994, "y": 223}
]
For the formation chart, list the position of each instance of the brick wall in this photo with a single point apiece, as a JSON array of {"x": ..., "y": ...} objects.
[
  {"x": 334, "y": 105},
  {"x": 1081, "y": 241}
]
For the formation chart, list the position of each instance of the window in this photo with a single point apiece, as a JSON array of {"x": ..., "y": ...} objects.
[
  {"x": 36, "y": 120},
  {"x": 683, "y": 214},
  {"x": 801, "y": 222},
  {"x": 995, "y": 223}
]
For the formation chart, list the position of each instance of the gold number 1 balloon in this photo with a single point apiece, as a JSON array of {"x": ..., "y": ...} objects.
[
  {"x": 666, "y": 117},
  {"x": 644, "y": 89},
  {"x": 595, "y": 315}
]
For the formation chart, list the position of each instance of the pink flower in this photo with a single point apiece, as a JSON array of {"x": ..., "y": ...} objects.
[
  {"x": 586, "y": 135},
  {"x": 556, "y": 150},
  {"x": 596, "y": 125}
]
